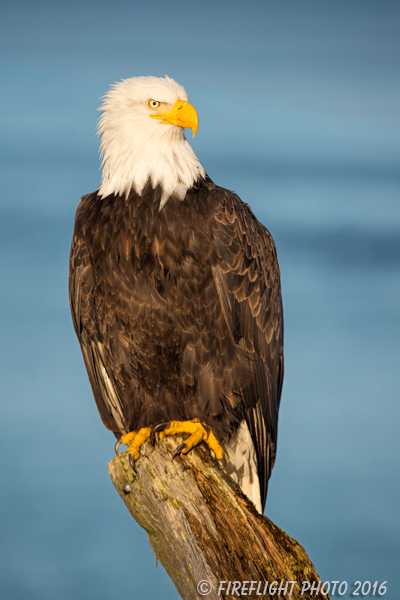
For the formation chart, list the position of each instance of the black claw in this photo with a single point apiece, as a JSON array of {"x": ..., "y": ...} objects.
[
  {"x": 179, "y": 450},
  {"x": 157, "y": 428},
  {"x": 224, "y": 460},
  {"x": 131, "y": 461},
  {"x": 117, "y": 445}
]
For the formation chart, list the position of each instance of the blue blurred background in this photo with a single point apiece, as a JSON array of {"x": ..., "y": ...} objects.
[{"x": 299, "y": 114}]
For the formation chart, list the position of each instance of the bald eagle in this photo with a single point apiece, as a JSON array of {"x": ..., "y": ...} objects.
[{"x": 175, "y": 292}]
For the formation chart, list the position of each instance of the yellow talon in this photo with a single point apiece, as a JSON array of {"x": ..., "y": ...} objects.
[
  {"x": 139, "y": 439},
  {"x": 135, "y": 439},
  {"x": 128, "y": 438},
  {"x": 198, "y": 433}
]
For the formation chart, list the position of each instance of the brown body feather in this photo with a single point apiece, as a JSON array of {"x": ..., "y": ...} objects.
[{"x": 178, "y": 312}]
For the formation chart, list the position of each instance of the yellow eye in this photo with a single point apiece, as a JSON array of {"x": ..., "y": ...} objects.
[{"x": 153, "y": 104}]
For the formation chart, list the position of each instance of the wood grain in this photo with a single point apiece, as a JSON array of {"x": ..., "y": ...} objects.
[{"x": 202, "y": 527}]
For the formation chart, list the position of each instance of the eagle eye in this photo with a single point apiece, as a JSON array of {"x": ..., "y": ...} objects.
[{"x": 153, "y": 104}]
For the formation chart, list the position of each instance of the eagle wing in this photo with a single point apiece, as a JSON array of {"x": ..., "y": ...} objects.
[
  {"x": 82, "y": 293},
  {"x": 248, "y": 283}
]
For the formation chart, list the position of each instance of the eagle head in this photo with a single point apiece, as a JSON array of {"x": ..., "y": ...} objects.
[{"x": 142, "y": 138}]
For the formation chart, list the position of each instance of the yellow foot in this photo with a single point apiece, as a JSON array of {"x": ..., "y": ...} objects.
[
  {"x": 199, "y": 433},
  {"x": 134, "y": 440}
]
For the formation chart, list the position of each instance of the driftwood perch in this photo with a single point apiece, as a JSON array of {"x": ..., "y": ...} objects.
[{"x": 203, "y": 529}]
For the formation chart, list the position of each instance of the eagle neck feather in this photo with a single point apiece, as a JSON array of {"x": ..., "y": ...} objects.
[{"x": 132, "y": 157}]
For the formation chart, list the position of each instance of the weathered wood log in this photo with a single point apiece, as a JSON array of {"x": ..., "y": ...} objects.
[{"x": 203, "y": 529}]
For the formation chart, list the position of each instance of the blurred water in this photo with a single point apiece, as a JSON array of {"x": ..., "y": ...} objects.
[{"x": 299, "y": 115}]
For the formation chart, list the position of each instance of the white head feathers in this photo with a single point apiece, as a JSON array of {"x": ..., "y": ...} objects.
[{"x": 136, "y": 148}]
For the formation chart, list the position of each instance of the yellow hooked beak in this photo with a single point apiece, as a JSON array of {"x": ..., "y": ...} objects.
[{"x": 183, "y": 114}]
